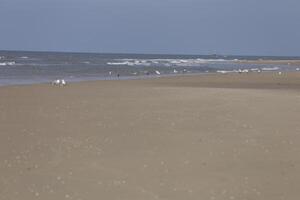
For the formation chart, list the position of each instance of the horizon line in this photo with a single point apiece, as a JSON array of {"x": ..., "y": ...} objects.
[{"x": 136, "y": 53}]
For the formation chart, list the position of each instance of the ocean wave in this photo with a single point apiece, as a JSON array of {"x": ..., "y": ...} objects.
[
  {"x": 239, "y": 71},
  {"x": 165, "y": 62},
  {"x": 7, "y": 63},
  {"x": 270, "y": 68}
]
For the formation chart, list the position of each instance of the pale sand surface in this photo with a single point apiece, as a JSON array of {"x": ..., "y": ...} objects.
[{"x": 192, "y": 137}]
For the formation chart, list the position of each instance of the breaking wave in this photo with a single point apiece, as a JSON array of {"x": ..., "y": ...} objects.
[
  {"x": 7, "y": 63},
  {"x": 165, "y": 62},
  {"x": 270, "y": 68}
]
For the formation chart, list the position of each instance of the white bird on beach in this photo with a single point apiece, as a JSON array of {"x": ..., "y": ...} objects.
[
  {"x": 59, "y": 82},
  {"x": 63, "y": 82},
  {"x": 56, "y": 82},
  {"x": 157, "y": 72},
  {"x": 175, "y": 71}
]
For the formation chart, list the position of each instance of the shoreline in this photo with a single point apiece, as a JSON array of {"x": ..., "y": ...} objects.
[
  {"x": 229, "y": 66},
  {"x": 254, "y": 80}
]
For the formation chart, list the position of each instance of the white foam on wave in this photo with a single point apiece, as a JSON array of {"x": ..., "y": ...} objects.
[
  {"x": 7, "y": 63},
  {"x": 225, "y": 72},
  {"x": 256, "y": 70},
  {"x": 120, "y": 63},
  {"x": 270, "y": 68},
  {"x": 165, "y": 62},
  {"x": 238, "y": 71},
  {"x": 24, "y": 57}
]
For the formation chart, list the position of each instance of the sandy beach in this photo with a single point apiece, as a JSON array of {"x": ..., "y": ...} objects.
[{"x": 212, "y": 137}]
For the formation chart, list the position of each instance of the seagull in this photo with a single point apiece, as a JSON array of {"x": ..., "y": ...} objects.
[
  {"x": 63, "y": 82},
  {"x": 56, "y": 82},
  {"x": 59, "y": 82},
  {"x": 157, "y": 72}
]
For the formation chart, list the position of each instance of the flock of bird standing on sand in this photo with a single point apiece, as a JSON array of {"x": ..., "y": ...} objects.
[{"x": 62, "y": 82}]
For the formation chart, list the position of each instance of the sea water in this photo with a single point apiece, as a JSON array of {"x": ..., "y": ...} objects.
[{"x": 17, "y": 67}]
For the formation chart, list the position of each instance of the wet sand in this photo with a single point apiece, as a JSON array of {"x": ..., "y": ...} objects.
[{"x": 232, "y": 136}]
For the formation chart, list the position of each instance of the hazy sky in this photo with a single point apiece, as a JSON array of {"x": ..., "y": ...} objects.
[{"x": 252, "y": 27}]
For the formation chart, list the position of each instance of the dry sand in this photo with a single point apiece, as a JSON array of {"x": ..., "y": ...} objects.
[{"x": 234, "y": 137}]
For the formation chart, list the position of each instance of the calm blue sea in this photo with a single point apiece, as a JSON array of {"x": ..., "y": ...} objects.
[{"x": 17, "y": 67}]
